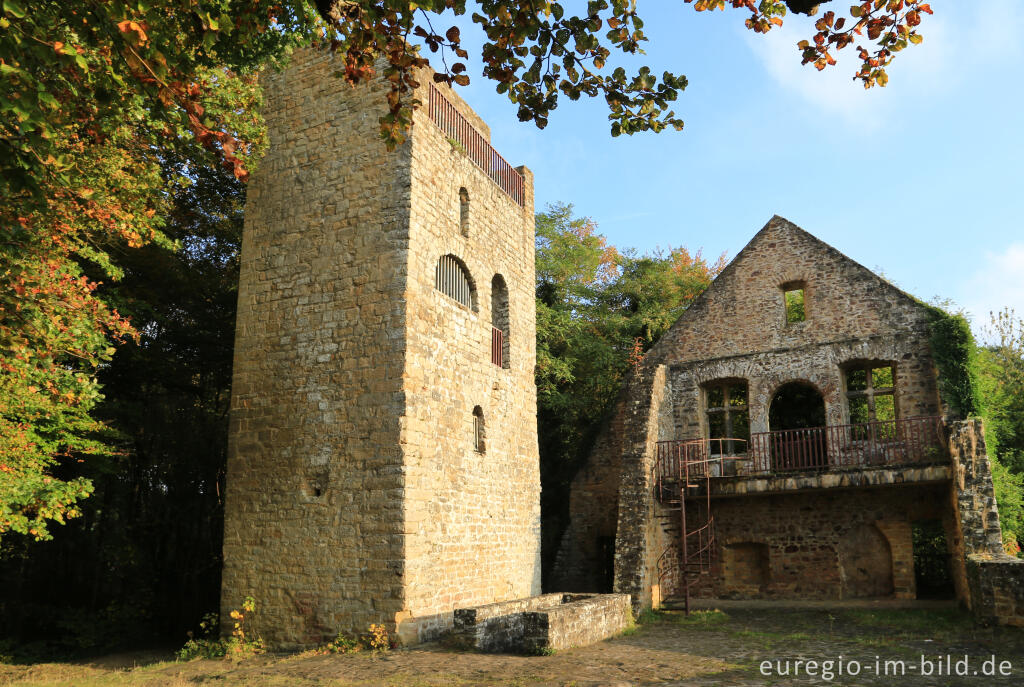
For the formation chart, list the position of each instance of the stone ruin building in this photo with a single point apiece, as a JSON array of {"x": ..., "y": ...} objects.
[
  {"x": 787, "y": 439},
  {"x": 783, "y": 440},
  {"x": 383, "y": 462}
]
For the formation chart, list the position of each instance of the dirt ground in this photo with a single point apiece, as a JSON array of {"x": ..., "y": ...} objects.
[{"x": 888, "y": 647}]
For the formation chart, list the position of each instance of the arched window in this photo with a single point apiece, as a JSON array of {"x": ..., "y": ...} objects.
[
  {"x": 499, "y": 322},
  {"x": 453, "y": 280},
  {"x": 479, "y": 434},
  {"x": 464, "y": 211}
]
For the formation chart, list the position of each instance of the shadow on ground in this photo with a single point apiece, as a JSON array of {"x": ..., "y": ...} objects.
[{"x": 887, "y": 646}]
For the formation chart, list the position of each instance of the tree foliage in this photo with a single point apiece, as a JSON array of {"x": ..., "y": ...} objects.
[
  {"x": 1000, "y": 364},
  {"x": 143, "y": 561},
  {"x": 536, "y": 52},
  {"x": 95, "y": 95},
  {"x": 598, "y": 311}
]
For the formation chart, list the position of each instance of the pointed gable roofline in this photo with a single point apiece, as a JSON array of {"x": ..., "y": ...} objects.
[{"x": 781, "y": 223}]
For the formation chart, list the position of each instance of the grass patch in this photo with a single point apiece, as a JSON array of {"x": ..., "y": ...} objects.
[
  {"x": 924, "y": 624},
  {"x": 649, "y": 615},
  {"x": 704, "y": 620},
  {"x": 630, "y": 630}
]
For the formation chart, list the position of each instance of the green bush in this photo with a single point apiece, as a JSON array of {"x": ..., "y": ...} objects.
[{"x": 244, "y": 640}]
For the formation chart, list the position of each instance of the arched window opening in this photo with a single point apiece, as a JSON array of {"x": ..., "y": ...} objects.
[
  {"x": 499, "y": 322},
  {"x": 479, "y": 433},
  {"x": 453, "y": 280},
  {"x": 725, "y": 402},
  {"x": 464, "y": 211},
  {"x": 795, "y": 416}
]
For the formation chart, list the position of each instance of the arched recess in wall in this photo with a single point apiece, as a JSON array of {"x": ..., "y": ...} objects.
[
  {"x": 464, "y": 211},
  {"x": 795, "y": 416},
  {"x": 500, "y": 333},
  {"x": 452, "y": 278},
  {"x": 865, "y": 563}
]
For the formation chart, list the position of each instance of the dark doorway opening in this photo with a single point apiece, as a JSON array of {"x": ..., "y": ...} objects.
[
  {"x": 932, "y": 570},
  {"x": 796, "y": 418}
]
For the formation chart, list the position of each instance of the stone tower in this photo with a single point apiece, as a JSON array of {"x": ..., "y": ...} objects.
[{"x": 383, "y": 462}]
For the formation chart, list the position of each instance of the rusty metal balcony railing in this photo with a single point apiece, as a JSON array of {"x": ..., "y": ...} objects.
[
  {"x": 686, "y": 462},
  {"x": 497, "y": 347},
  {"x": 449, "y": 120},
  {"x": 870, "y": 444},
  {"x": 907, "y": 441}
]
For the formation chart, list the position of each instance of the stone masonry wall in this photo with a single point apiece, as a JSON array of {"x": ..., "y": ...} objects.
[
  {"x": 355, "y": 493},
  {"x": 313, "y": 510},
  {"x": 743, "y": 311},
  {"x": 472, "y": 519},
  {"x": 498, "y": 627},
  {"x": 577, "y": 622},
  {"x": 835, "y": 544},
  {"x": 995, "y": 580},
  {"x": 640, "y": 537},
  {"x": 816, "y": 364},
  {"x": 580, "y": 564},
  {"x": 737, "y": 329},
  {"x": 976, "y": 499}
]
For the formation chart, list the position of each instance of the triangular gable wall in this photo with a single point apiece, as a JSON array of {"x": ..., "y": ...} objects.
[{"x": 743, "y": 310}]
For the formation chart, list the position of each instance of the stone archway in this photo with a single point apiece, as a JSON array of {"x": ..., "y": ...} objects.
[
  {"x": 796, "y": 409},
  {"x": 796, "y": 405}
]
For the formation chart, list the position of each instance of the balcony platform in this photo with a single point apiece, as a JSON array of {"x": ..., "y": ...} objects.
[{"x": 809, "y": 480}]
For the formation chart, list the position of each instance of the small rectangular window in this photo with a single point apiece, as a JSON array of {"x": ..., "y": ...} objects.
[
  {"x": 795, "y": 311},
  {"x": 716, "y": 397}
]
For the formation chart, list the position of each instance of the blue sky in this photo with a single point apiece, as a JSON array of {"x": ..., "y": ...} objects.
[{"x": 920, "y": 180}]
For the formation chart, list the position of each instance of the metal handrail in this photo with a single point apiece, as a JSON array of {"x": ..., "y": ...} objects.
[
  {"x": 497, "y": 347},
  {"x": 455, "y": 125},
  {"x": 912, "y": 440}
]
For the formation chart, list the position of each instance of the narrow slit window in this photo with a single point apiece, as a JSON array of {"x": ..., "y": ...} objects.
[
  {"x": 464, "y": 211},
  {"x": 796, "y": 307},
  {"x": 452, "y": 279},
  {"x": 479, "y": 433}
]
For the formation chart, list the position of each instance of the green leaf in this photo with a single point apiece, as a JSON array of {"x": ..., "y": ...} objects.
[{"x": 15, "y": 8}]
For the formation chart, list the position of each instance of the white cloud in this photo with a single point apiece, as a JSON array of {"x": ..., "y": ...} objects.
[
  {"x": 959, "y": 39},
  {"x": 997, "y": 284}
]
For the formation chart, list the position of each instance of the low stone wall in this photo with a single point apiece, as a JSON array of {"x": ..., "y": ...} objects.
[
  {"x": 539, "y": 623},
  {"x": 580, "y": 622},
  {"x": 498, "y": 627},
  {"x": 997, "y": 588}
]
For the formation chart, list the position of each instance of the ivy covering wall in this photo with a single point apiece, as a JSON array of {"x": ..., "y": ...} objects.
[{"x": 954, "y": 351}]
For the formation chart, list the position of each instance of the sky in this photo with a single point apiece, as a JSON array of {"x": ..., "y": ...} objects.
[{"x": 919, "y": 180}]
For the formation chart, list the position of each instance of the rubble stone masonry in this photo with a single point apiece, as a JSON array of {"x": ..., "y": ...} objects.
[{"x": 356, "y": 493}]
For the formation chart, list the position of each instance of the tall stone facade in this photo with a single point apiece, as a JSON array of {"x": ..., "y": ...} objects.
[
  {"x": 800, "y": 352},
  {"x": 383, "y": 463}
]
